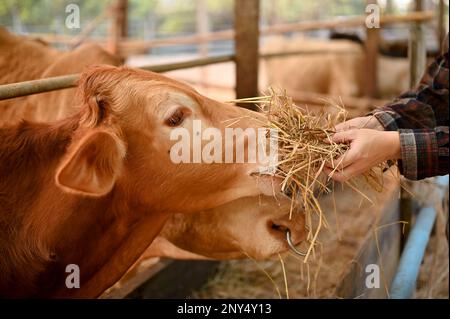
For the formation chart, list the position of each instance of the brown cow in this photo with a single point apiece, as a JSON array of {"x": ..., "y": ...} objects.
[
  {"x": 96, "y": 188},
  {"x": 57, "y": 104}
]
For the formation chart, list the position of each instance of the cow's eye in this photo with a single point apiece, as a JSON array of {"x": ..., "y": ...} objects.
[{"x": 176, "y": 118}]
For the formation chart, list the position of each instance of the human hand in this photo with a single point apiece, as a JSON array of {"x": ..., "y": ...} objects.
[
  {"x": 367, "y": 149},
  {"x": 370, "y": 122}
]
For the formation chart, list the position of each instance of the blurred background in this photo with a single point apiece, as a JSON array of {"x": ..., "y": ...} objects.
[
  {"x": 161, "y": 31},
  {"x": 159, "y": 19}
]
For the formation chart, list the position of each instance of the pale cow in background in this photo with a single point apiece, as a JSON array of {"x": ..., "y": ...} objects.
[{"x": 338, "y": 70}]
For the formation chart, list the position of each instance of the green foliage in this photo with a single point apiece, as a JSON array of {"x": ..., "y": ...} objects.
[
  {"x": 176, "y": 16},
  {"x": 46, "y": 12}
]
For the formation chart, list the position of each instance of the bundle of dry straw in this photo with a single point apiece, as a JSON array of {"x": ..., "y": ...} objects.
[{"x": 304, "y": 147}]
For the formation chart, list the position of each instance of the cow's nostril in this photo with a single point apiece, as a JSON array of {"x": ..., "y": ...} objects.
[
  {"x": 274, "y": 226},
  {"x": 277, "y": 227}
]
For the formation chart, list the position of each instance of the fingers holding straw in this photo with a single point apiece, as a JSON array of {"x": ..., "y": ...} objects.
[
  {"x": 345, "y": 166},
  {"x": 367, "y": 148}
]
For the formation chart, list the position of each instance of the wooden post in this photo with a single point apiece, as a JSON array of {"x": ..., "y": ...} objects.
[
  {"x": 246, "y": 46},
  {"x": 416, "y": 49},
  {"x": 118, "y": 25},
  {"x": 123, "y": 16},
  {"x": 441, "y": 24},
  {"x": 370, "y": 68}
]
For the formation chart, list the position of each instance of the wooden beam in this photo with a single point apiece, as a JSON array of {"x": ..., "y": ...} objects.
[
  {"x": 346, "y": 23},
  {"x": 118, "y": 25},
  {"x": 131, "y": 46},
  {"x": 246, "y": 25},
  {"x": 442, "y": 32},
  {"x": 123, "y": 9},
  {"x": 417, "y": 48},
  {"x": 134, "y": 45},
  {"x": 370, "y": 68}
]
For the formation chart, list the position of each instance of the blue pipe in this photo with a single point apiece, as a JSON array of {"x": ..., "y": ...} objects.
[{"x": 404, "y": 282}]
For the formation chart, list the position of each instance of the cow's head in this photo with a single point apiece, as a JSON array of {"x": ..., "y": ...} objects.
[
  {"x": 252, "y": 227},
  {"x": 126, "y": 139}
]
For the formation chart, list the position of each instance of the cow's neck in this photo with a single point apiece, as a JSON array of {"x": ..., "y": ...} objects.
[
  {"x": 46, "y": 229},
  {"x": 111, "y": 237}
]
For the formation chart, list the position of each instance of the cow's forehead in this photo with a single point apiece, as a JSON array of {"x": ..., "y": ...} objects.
[
  {"x": 163, "y": 96},
  {"x": 178, "y": 97}
]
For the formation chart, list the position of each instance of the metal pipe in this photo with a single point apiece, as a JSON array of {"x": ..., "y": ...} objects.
[
  {"x": 9, "y": 91},
  {"x": 12, "y": 90},
  {"x": 404, "y": 282}
]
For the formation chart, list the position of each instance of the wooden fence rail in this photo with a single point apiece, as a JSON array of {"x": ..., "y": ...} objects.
[{"x": 129, "y": 46}]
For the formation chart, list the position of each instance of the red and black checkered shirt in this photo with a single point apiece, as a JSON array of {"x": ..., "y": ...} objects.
[{"x": 421, "y": 117}]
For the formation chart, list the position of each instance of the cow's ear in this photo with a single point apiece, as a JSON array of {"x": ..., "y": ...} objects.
[{"x": 93, "y": 165}]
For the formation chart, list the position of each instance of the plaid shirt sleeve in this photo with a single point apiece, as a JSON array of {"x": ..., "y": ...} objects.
[{"x": 421, "y": 116}]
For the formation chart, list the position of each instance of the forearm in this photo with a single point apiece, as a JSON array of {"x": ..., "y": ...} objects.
[
  {"x": 421, "y": 153},
  {"x": 424, "y": 153}
]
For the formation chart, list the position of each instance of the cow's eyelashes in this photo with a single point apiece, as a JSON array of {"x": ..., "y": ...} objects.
[{"x": 176, "y": 119}]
